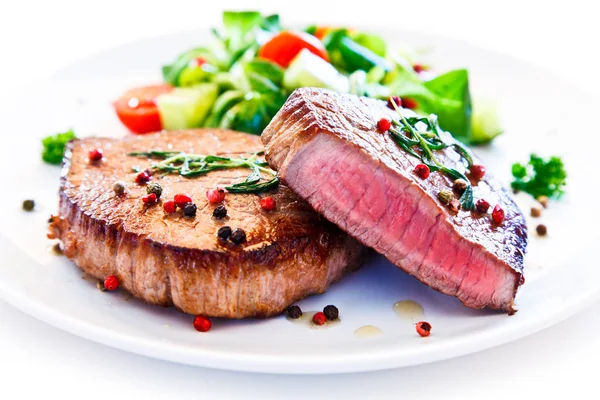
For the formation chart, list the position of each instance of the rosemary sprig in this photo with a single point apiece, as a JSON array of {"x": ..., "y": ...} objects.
[
  {"x": 408, "y": 137},
  {"x": 191, "y": 165}
]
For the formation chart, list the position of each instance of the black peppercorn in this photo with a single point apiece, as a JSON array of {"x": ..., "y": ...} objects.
[
  {"x": 155, "y": 188},
  {"x": 224, "y": 232},
  {"x": 294, "y": 312},
  {"x": 220, "y": 212},
  {"x": 331, "y": 312},
  {"x": 28, "y": 205},
  {"x": 189, "y": 210},
  {"x": 238, "y": 236}
]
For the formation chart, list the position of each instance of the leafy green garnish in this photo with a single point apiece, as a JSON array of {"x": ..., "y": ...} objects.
[
  {"x": 54, "y": 146},
  {"x": 421, "y": 144},
  {"x": 191, "y": 165},
  {"x": 540, "y": 177}
]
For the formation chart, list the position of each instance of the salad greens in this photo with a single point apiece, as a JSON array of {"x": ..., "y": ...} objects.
[
  {"x": 540, "y": 177},
  {"x": 251, "y": 88},
  {"x": 54, "y": 146}
]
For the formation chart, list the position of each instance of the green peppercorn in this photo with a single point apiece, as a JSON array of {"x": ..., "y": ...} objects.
[
  {"x": 445, "y": 196},
  {"x": 28, "y": 205},
  {"x": 294, "y": 312},
  {"x": 238, "y": 236},
  {"x": 224, "y": 232},
  {"x": 189, "y": 210},
  {"x": 119, "y": 188},
  {"x": 331, "y": 312},
  {"x": 154, "y": 187}
]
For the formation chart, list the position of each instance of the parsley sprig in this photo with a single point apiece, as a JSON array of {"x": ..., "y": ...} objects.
[
  {"x": 422, "y": 144},
  {"x": 540, "y": 177},
  {"x": 54, "y": 146},
  {"x": 191, "y": 165}
]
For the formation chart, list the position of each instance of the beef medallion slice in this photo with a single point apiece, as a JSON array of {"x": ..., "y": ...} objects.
[
  {"x": 171, "y": 259},
  {"x": 328, "y": 150}
]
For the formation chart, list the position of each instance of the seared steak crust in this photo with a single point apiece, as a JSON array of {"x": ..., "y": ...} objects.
[
  {"x": 168, "y": 260},
  {"x": 327, "y": 148}
]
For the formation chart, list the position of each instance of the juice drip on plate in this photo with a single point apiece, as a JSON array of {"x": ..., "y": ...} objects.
[
  {"x": 368, "y": 331},
  {"x": 409, "y": 310}
]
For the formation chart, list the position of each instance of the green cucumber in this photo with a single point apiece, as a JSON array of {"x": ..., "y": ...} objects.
[
  {"x": 308, "y": 69},
  {"x": 186, "y": 107}
]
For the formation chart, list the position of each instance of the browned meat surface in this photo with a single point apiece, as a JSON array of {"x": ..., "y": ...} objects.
[
  {"x": 168, "y": 260},
  {"x": 327, "y": 149}
]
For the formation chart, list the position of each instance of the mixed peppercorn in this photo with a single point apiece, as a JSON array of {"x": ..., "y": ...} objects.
[
  {"x": 423, "y": 328},
  {"x": 28, "y": 205}
]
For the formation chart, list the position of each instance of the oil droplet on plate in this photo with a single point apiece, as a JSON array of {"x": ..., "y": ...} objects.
[
  {"x": 409, "y": 310},
  {"x": 367, "y": 331}
]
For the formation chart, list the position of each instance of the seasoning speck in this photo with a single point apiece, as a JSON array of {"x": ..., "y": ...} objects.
[
  {"x": 28, "y": 205},
  {"x": 541, "y": 230},
  {"x": 224, "y": 232},
  {"x": 536, "y": 212},
  {"x": 189, "y": 210},
  {"x": 543, "y": 200},
  {"x": 119, "y": 188},
  {"x": 238, "y": 236},
  {"x": 155, "y": 188},
  {"x": 294, "y": 312},
  {"x": 331, "y": 312},
  {"x": 220, "y": 212}
]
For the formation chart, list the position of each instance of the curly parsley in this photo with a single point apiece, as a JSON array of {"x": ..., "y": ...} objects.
[
  {"x": 54, "y": 146},
  {"x": 540, "y": 177}
]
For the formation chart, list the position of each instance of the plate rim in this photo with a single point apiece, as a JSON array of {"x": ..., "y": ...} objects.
[{"x": 204, "y": 357}]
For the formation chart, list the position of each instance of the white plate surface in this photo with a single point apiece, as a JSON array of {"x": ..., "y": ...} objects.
[{"x": 542, "y": 114}]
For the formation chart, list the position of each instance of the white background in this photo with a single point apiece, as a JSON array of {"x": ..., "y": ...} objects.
[{"x": 37, "y": 38}]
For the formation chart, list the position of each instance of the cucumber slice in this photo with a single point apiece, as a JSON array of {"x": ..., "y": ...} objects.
[
  {"x": 308, "y": 69},
  {"x": 186, "y": 107},
  {"x": 486, "y": 121}
]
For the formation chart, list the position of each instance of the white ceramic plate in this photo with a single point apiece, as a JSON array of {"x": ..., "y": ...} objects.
[{"x": 542, "y": 114}]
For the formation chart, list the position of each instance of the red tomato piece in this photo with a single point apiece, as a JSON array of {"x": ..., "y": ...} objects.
[
  {"x": 284, "y": 46},
  {"x": 322, "y": 31},
  {"x": 137, "y": 109}
]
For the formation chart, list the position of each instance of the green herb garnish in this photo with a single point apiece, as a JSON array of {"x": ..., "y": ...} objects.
[
  {"x": 422, "y": 144},
  {"x": 191, "y": 165},
  {"x": 54, "y": 146},
  {"x": 540, "y": 177}
]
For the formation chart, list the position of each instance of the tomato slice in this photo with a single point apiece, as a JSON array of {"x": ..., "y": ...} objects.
[
  {"x": 284, "y": 46},
  {"x": 137, "y": 109}
]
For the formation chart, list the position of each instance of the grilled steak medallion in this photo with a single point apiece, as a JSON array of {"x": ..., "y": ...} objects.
[
  {"x": 167, "y": 260},
  {"x": 327, "y": 149}
]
